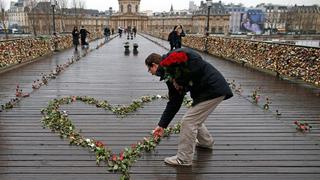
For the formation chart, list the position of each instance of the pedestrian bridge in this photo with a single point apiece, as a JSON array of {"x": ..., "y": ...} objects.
[{"x": 251, "y": 140}]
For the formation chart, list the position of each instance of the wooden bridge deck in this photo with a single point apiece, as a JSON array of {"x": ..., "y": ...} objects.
[{"x": 251, "y": 143}]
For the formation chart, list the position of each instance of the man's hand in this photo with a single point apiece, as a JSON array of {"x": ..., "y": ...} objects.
[{"x": 158, "y": 132}]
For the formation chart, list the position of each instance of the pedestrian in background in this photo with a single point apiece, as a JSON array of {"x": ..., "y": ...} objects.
[
  {"x": 171, "y": 38},
  {"x": 75, "y": 38},
  {"x": 106, "y": 33},
  {"x": 83, "y": 35},
  {"x": 175, "y": 37},
  {"x": 180, "y": 33},
  {"x": 134, "y": 30}
]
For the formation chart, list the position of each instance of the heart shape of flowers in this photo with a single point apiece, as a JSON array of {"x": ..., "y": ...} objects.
[{"x": 58, "y": 121}]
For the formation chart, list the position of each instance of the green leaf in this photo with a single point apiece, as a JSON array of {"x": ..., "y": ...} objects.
[
  {"x": 124, "y": 167},
  {"x": 115, "y": 167}
]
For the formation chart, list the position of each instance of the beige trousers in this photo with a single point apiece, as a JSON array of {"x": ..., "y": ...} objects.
[{"x": 192, "y": 128}]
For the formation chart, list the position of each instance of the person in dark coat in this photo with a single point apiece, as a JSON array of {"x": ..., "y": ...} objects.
[
  {"x": 83, "y": 35},
  {"x": 175, "y": 37},
  {"x": 179, "y": 34},
  {"x": 75, "y": 38},
  {"x": 207, "y": 87},
  {"x": 134, "y": 30},
  {"x": 106, "y": 33},
  {"x": 120, "y": 31},
  {"x": 171, "y": 38}
]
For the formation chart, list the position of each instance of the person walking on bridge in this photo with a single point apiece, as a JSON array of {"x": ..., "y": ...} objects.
[
  {"x": 84, "y": 33},
  {"x": 175, "y": 37},
  {"x": 75, "y": 38}
]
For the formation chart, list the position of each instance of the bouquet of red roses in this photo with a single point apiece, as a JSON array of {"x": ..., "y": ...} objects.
[{"x": 176, "y": 67}]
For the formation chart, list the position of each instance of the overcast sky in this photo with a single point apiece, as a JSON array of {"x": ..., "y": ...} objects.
[{"x": 164, "y": 5}]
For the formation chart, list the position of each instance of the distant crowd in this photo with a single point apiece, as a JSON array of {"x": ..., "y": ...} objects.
[{"x": 287, "y": 60}]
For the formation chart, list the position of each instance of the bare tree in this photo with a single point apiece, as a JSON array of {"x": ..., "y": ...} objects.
[
  {"x": 32, "y": 16},
  {"x": 82, "y": 5},
  {"x": 46, "y": 11},
  {"x": 78, "y": 6},
  {"x": 63, "y": 4},
  {"x": 4, "y": 17},
  {"x": 74, "y": 5}
]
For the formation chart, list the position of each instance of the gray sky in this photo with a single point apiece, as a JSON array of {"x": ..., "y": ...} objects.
[{"x": 164, "y": 5}]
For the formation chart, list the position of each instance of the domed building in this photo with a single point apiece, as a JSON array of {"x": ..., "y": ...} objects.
[{"x": 129, "y": 16}]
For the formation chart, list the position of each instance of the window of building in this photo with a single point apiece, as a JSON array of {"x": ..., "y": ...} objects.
[
  {"x": 121, "y": 8},
  {"x": 213, "y": 30},
  {"x": 129, "y": 8},
  {"x": 137, "y": 8}
]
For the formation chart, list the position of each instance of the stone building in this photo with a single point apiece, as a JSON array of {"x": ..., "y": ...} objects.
[
  {"x": 38, "y": 19},
  {"x": 18, "y": 16},
  {"x": 218, "y": 21},
  {"x": 194, "y": 23},
  {"x": 303, "y": 19},
  {"x": 129, "y": 16},
  {"x": 275, "y": 18},
  {"x": 236, "y": 12}
]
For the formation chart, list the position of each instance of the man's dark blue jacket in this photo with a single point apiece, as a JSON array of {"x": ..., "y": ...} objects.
[{"x": 207, "y": 83}]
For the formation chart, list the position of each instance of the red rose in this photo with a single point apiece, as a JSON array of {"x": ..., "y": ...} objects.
[
  {"x": 99, "y": 144},
  {"x": 174, "y": 58},
  {"x": 114, "y": 157},
  {"x": 121, "y": 156},
  {"x": 133, "y": 146}
]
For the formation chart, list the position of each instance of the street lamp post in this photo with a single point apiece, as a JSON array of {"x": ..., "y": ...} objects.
[
  {"x": 110, "y": 14},
  {"x": 53, "y": 4},
  {"x": 209, "y": 4},
  {"x": 55, "y": 43},
  {"x": 97, "y": 26},
  {"x": 163, "y": 16}
]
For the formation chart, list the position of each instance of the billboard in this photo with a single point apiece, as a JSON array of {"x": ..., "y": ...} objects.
[{"x": 252, "y": 21}]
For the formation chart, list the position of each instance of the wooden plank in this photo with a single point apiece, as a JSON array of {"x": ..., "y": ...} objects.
[{"x": 162, "y": 176}]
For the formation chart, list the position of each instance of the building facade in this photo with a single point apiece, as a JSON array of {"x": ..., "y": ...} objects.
[
  {"x": 275, "y": 18},
  {"x": 129, "y": 16},
  {"x": 236, "y": 12},
  {"x": 18, "y": 16},
  {"x": 38, "y": 18},
  {"x": 303, "y": 19},
  {"x": 218, "y": 20}
]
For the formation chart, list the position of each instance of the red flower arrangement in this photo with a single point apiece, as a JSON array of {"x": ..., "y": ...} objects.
[
  {"x": 176, "y": 67},
  {"x": 174, "y": 59}
]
